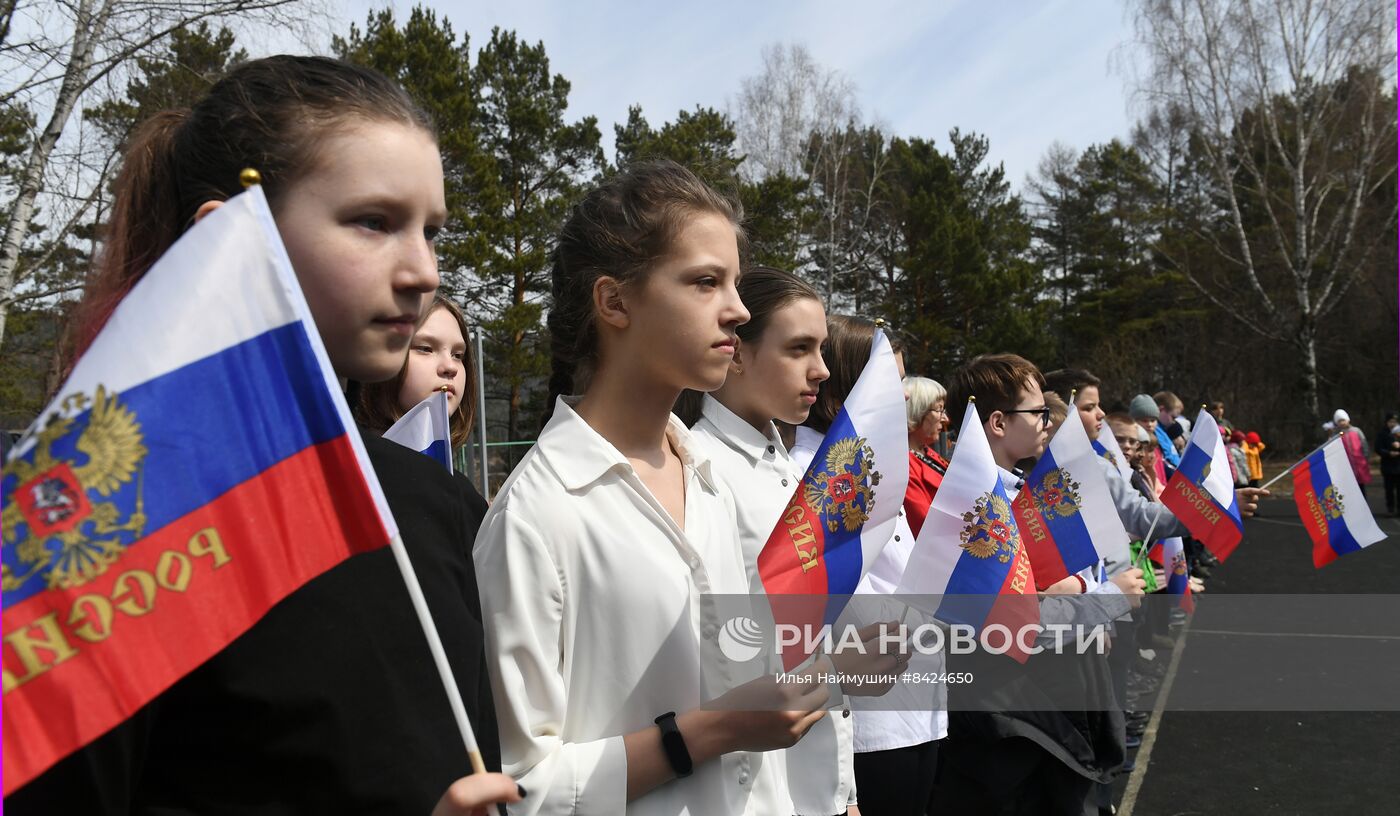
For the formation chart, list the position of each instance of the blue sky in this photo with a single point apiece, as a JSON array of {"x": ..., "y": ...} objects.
[{"x": 1022, "y": 73}]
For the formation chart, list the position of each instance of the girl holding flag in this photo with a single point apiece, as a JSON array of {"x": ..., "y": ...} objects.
[
  {"x": 438, "y": 359},
  {"x": 896, "y": 736},
  {"x": 600, "y": 550},
  {"x": 776, "y": 373},
  {"x": 330, "y": 702}
]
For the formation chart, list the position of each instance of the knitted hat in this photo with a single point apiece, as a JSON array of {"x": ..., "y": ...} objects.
[
  {"x": 1143, "y": 438},
  {"x": 1341, "y": 415},
  {"x": 1238, "y": 437},
  {"x": 1142, "y": 407},
  {"x": 1252, "y": 438}
]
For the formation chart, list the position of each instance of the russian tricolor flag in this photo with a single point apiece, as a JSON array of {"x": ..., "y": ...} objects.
[
  {"x": 1066, "y": 514},
  {"x": 846, "y": 506},
  {"x": 968, "y": 562},
  {"x": 1106, "y": 445},
  {"x": 1171, "y": 554},
  {"x": 1202, "y": 492},
  {"x": 426, "y": 428},
  {"x": 198, "y": 466},
  {"x": 1331, "y": 504}
]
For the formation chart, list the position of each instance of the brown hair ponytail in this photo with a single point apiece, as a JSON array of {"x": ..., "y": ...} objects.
[{"x": 618, "y": 230}]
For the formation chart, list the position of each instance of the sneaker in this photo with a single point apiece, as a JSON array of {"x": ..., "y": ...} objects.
[{"x": 1134, "y": 741}]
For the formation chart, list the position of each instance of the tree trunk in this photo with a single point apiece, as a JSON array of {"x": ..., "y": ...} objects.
[
  {"x": 1307, "y": 347},
  {"x": 85, "y": 35}
]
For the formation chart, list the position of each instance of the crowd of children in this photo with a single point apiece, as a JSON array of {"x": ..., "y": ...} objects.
[{"x": 575, "y": 608}]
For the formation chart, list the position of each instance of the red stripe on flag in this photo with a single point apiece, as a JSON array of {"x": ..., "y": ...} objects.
[
  {"x": 1313, "y": 516},
  {"x": 793, "y": 564},
  {"x": 1017, "y": 606},
  {"x": 1039, "y": 543},
  {"x": 1206, "y": 520},
  {"x": 77, "y": 662}
]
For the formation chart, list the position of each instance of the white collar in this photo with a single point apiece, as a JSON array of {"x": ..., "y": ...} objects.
[
  {"x": 740, "y": 435},
  {"x": 581, "y": 456}
]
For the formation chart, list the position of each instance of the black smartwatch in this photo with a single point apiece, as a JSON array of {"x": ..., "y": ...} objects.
[{"x": 674, "y": 745}]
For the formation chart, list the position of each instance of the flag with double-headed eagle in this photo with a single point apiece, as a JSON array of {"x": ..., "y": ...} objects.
[
  {"x": 1106, "y": 445},
  {"x": 1332, "y": 506},
  {"x": 1171, "y": 554},
  {"x": 1065, "y": 512},
  {"x": 426, "y": 428},
  {"x": 846, "y": 507},
  {"x": 199, "y": 465},
  {"x": 969, "y": 565},
  {"x": 1202, "y": 492}
]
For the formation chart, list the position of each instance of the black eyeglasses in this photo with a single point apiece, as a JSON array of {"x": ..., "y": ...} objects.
[{"x": 1043, "y": 410}]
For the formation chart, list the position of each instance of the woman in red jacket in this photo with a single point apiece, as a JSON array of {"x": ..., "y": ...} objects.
[{"x": 924, "y": 402}]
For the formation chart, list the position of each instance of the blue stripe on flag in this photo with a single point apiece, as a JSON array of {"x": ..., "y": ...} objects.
[
  {"x": 975, "y": 583},
  {"x": 1339, "y": 536},
  {"x": 208, "y": 427},
  {"x": 1071, "y": 535},
  {"x": 439, "y": 451},
  {"x": 843, "y": 554},
  {"x": 1193, "y": 464}
]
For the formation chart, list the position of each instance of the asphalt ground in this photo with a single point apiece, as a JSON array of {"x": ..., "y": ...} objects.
[{"x": 1272, "y": 762}]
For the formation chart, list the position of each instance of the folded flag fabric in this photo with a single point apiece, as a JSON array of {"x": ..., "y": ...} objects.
[
  {"x": 1171, "y": 554},
  {"x": 1106, "y": 445},
  {"x": 846, "y": 506},
  {"x": 426, "y": 428},
  {"x": 1065, "y": 512},
  {"x": 198, "y": 466},
  {"x": 1331, "y": 505},
  {"x": 1202, "y": 493},
  {"x": 968, "y": 565}
]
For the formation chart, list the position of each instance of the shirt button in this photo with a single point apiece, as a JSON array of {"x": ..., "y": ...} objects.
[
  {"x": 772, "y": 449},
  {"x": 785, "y": 483},
  {"x": 896, "y": 538},
  {"x": 743, "y": 778}
]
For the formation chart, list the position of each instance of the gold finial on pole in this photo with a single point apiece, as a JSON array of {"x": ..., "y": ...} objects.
[
  {"x": 249, "y": 177},
  {"x": 879, "y": 322},
  {"x": 1072, "y": 393},
  {"x": 444, "y": 389},
  {"x": 971, "y": 399}
]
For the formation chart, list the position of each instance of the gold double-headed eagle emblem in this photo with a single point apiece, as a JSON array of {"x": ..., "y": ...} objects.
[
  {"x": 846, "y": 487},
  {"x": 990, "y": 530},
  {"x": 1332, "y": 502},
  {"x": 56, "y": 519},
  {"x": 1057, "y": 494}
]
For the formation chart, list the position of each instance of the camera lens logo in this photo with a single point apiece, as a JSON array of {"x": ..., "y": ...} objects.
[{"x": 741, "y": 639}]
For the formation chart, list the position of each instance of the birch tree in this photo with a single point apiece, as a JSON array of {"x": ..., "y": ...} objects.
[
  {"x": 56, "y": 56},
  {"x": 1292, "y": 108}
]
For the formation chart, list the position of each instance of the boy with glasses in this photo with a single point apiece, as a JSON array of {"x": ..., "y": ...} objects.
[{"x": 1009, "y": 749}]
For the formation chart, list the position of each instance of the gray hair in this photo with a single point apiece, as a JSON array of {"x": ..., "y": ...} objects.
[{"x": 922, "y": 394}]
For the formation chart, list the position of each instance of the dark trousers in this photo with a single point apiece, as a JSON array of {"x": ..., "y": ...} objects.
[
  {"x": 1009, "y": 777},
  {"x": 1392, "y": 491},
  {"x": 896, "y": 782}
]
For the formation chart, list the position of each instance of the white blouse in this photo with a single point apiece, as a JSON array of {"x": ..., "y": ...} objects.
[
  {"x": 763, "y": 478},
  {"x": 597, "y": 622},
  {"x": 910, "y": 713}
]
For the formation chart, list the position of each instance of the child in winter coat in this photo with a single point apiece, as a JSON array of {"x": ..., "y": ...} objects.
[
  {"x": 1239, "y": 460},
  {"x": 1253, "y": 446}
]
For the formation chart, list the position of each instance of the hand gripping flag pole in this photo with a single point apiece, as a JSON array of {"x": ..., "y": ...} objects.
[{"x": 250, "y": 177}]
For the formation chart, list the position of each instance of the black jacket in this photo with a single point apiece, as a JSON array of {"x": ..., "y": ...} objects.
[{"x": 329, "y": 704}]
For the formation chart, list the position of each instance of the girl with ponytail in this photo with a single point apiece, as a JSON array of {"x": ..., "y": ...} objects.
[
  {"x": 599, "y": 552},
  {"x": 331, "y": 702},
  {"x": 776, "y": 375}
]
